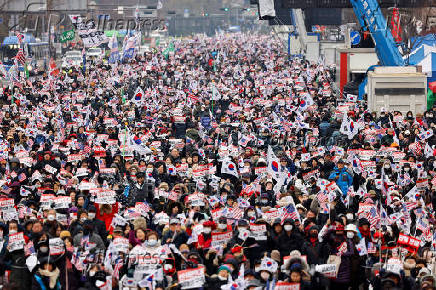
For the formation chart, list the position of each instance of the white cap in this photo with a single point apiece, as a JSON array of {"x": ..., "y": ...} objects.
[{"x": 351, "y": 227}]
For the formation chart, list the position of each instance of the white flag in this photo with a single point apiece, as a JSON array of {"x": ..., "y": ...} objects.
[
  {"x": 273, "y": 164},
  {"x": 138, "y": 98},
  {"x": 361, "y": 247},
  {"x": 229, "y": 167}
]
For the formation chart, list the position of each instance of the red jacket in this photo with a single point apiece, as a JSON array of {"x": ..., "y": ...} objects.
[
  {"x": 202, "y": 243},
  {"x": 107, "y": 218}
]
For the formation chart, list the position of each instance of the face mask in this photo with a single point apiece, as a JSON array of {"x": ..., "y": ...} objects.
[
  {"x": 314, "y": 235},
  {"x": 51, "y": 217},
  {"x": 250, "y": 214},
  {"x": 264, "y": 275},
  {"x": 350, "y": 235},
  {"x": 288, "y": 228},
  {"x": 387, "y": 166},
  {"x": 83, "y": 220},
  {"x": 91, "y": 273},
  {"x": 152, "y": 243},
  {"x": 407, "y": 169},
  {"x": 349, "y": 216},
  {"x": 207, "y": 230},
  {"x": 11, "y": 232},
  {"x": 91, "y": 215},
  {"x": 43, "y": 249},
  {"x": 222, "y": 226},
  {"x": 264, "y": 201}
]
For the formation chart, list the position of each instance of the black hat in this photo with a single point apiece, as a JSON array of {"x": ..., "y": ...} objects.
[
  {"x": 277, "y": 221},
  {"x": 242, "y": 223}
]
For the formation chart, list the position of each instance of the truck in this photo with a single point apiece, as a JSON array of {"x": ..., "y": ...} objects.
[{"x": 397, "y": 89}]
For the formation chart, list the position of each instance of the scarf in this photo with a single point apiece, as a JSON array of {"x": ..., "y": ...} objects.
[
  {"x": 53, "y": 276},
  {"x": 313, "y": 241}
]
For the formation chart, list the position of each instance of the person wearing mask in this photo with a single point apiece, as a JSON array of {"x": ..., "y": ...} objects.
[
  {"x": 205, "y": 238},
  {"x": 290, "y": 239},
  {"x": 46, "y": 276},
  {"x": 222, "y": 277},
  {"x": 98, "y": 225},
  {"x": 175, "y": 234},
  {"x": 312, "y": 247},
  {"x": 14, "y": 260},
  {"x": 348, "y": 272}
]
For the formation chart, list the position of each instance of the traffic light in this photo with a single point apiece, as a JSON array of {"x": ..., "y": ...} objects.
[{"x": 225, "y": 9}]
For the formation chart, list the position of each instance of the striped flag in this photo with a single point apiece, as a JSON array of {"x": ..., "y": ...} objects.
[
  {"x": 422, "y": 224},
  {"x": 416, "y": 148},
  {"x": 237, "y": 213},
  {"x": 373, "y": 216},
  {"x": 21, "y": 57},
  {"x": 290, "y": 212},
  {"x": 20, "y": 38},
  {"x": 117, "y": 268},
  {"x": 323, "y": 196}
]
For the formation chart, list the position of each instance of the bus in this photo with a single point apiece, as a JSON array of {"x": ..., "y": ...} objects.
[{"x": 37, "y": 52}]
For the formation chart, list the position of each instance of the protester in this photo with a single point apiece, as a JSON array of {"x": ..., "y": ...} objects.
[{"x": 219, "y": 164}]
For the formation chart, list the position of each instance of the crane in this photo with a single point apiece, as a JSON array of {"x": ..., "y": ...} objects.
[
  {"x": 371, "y": 19},
  {"x": 298, "y": 21}
]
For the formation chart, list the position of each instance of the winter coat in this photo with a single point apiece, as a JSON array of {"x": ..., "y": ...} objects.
[
  {"x": 288, "y": 243},
  {"x": 94, "y": 238},
  {"x": 312, "y": 252},
  {"x": 107, "y": 217},
  {"x": 178, "y": 239},
  {"x": 41, "y": 282},
  {"x": 344, "y": 179}
]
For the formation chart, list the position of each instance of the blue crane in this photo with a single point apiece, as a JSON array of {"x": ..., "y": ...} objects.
[{"x": 371, "y": 19}]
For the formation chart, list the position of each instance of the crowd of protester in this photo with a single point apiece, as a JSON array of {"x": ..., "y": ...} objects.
[{"x": 221, "y": 165}]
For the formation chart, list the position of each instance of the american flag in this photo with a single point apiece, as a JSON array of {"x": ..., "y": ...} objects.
[
  {"x": 416, "y": 148},
  {"x": 422, "y": 224},
  {"x": 21, "y": 57},
  {"x": 410, "y": 205},
  {"x": 373, "y": 216},
  {"x": 86, "y": 149},
  {"x": 237, "y": 213},
  {"x": 6, "y": 189},
  {"x": 22, "y": 177},
  {"x": 371, "y": 248},
  {"x": 323, "y": 196},
  {"x": 117, "y": 268},
  {"x": 290, "y": 212},
  {"x": 193, "y": 97},
  {"x": 20, "y": 38}
]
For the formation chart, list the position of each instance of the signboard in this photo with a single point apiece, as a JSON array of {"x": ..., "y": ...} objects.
[
  {"x": 220, "y": 239},
  {"x": 67, "y": 36},
  {"x": 328, "y": 270},
  {"x": 16, "y": 242},
  {"x": 191, "y": 278},
  {"x": 355, "y": 37}
]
